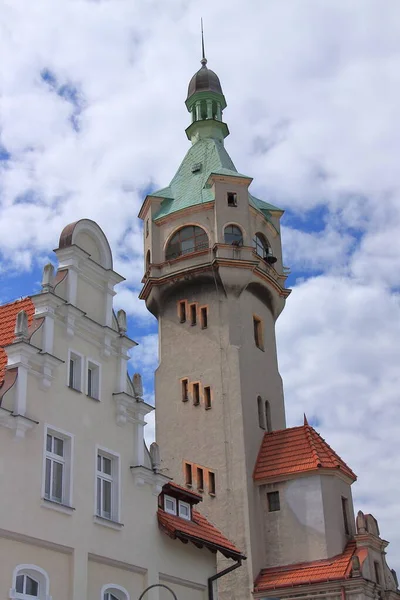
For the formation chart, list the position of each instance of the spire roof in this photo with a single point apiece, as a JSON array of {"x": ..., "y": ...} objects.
[{"x": 293, "y": 451}]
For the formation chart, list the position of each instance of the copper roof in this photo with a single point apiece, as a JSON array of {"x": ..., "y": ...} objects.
[
  {"x": 293, "y": 451},
  {"x": 204, "y": 80}
]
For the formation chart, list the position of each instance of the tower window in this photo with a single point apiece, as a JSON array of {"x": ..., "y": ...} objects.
[
  {"x": 186, "y": 240},
  {"x": 196, "y": 394},
  {"x": 377, "y": 570},
  {"x": 147, "y": 227},
  {"x": 258, "y": 333},
  {"x": 345, "y": 511},
  {"x": 273, "y": 501},
  {"x": 193, "y": 314},
  {"x": 268, "y": 423},
  {"x": 261, "y": 246},
  {"x": 200, "y": 479},
  {"x": 233, "y": 235},
  {"x": 207, "y": 397},
  {"x": 211, "y": 483},
  {"x": 261, "y": 421},
  {"x": 182, "y": 311},
  {"x": 204, "y": 317},
  {"x": 232, "y": 198},
  {"x": 188, "y": 474},
  {"x": 185, "y": 390}
]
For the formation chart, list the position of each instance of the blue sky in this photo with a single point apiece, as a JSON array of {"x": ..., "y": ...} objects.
[{"x": 92, "y": 115}]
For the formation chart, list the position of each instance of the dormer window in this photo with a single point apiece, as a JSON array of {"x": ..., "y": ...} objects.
[
  {"x": 232, "y": 199},
  {"x": 184, "y": 510},
  {"x": 170, "y": 505}
]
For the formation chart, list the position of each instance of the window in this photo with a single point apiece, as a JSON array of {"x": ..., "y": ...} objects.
[
  {"x": 188, "y": 474},
  {"x": 184, "y": 510},
  {"x": 345, "y": 509},
  {"x": 29, "y": 582},
  {"x": 196, "y": 394},
  {"x": 185, "y": 390},
  {"x": 193, "y": 314},
  {"x": 268, "y": 423},
  {"x": 207, "y": 397},
  {"x": 200, "y": 479},
  {"x": 182, "y": 311},
  {"x": 261, "y": 421},
  {"x": 273, "y": 501},
  {"x": 170, "y": 505},
  {"x": 57, "y": 470},
  {"x": 114, "y": 592},
  {"x": 231, "y": 198},
  {"x": 93, "y": 380},
  {"x": 258, "y": 333},
  {"x": 107, "y": 486},
  {"x": 261, "y": 245},
  {"x": 75, "y": 371},
  {"x": 233, "y": 235},
  {"x": 377, "y": 570},
  {"x": 147, "y": 227},
  {"x": 148, "y": 260},
  {"x": 186, "y": 240},
  {"x": 211, "y": 483},
  {"x": 204, "y": 317}
]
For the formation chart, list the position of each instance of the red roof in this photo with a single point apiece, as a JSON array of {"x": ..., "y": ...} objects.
[
  {"x": 179, "y": 489},
  {"x": 296, "y": 450},
  {"x": 8, "y": 316},
  {"x": 199, "y": 530},
  {"x": 331, "y": 569}
]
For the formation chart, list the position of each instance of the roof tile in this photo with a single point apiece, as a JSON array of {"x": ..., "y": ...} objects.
[{"x": 296, "y": 450}]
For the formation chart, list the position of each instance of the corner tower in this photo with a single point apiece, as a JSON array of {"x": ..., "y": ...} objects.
[{"x": 215, "y": 281}]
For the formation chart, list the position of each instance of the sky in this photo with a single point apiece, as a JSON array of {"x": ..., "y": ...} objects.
[{"x": 92, "y": 117}]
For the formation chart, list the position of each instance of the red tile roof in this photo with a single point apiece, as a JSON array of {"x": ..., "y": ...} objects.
[
  {"x": 8, "y": 315},
  {"x": 296, "y": 450},
  {"x": 331, "y": 569},
  {"x": 199, "y": 531}
]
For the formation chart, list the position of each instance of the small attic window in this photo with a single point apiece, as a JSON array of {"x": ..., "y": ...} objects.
[
  {"x": 232, "y": 199},
  {"x": 196, "y": 167},
  {"x": 273, "y": 501},
  {"x": 170, "y": 505}
]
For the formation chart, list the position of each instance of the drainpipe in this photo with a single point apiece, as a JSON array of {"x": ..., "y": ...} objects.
[
  {"x": 343, "y": 593},
  {"x": 218, "y": 575}
]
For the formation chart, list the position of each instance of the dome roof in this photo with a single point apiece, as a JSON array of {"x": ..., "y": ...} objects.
[{"x": 204, "y": 80}]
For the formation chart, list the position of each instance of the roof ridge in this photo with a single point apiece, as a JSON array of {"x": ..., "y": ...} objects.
[
  {"x": 314, "y": 450},
  {"x": 339, "y": 459}
]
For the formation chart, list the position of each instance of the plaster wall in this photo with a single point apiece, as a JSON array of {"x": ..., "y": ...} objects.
[{"x": 333, "y": 489}]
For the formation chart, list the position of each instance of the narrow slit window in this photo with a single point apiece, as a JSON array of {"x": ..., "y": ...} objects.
[
  {"x": 207, "y": 397},
  {"x": 345, "y": 508},
  {"x": 200, "y": 479},
  {"x": 147, "y": 228},
  {"x": 196, "y": 394},
  {"x": 204, "y": 317},
  {"x": 261, "y": 421},
  {"x": 232, "y": 199},
  {"x": 193, "y": 314},
  {"x": 188, "y": 474},
  {"x": 182, "y": 311},
  {"x": 185, "y": 390},
  {"x": 268, "y": 423},
  {"x": 211, "y": 483},
  {"x": 258, "y": 336},
  {"x": 377, "y": 572},
  {"x": 274, "y": 503}
]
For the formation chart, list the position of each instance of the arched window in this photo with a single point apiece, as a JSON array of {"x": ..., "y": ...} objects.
[
  {"x": 148, "y": 260},
  {"x": 261, "y": 421},
  {"x": 114, "y": 592},
  {"x": 233, "y": 235},
  {"x": 261, "y": 245},
  {"x": 186, "y": 240},
  {"x": 268, "y": 416},
  {"x": 29, "y": 582}
]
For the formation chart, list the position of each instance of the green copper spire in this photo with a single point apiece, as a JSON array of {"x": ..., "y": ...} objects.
[{"x": 205, "y": 102}]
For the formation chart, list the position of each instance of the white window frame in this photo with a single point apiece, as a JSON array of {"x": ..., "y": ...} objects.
[
  {"x": 112, "y": 588},
  {"x": 97, "y": 387},
  {"x": 67, "y": 461},
  {"x": 182, "y": 504},
  {"x": 115, "y": 479},
  {"x": 78, "y": 384},
  {"x": 170, "y": 511},
  {"x": 36, "y": 573}
]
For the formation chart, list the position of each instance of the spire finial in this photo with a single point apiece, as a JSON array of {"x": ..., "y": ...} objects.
[
  {"x": 305, "y": 419},
  {"x": 203, "y": 59}
]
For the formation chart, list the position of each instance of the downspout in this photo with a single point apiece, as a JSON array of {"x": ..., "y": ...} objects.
[
  {"x": 218, "y": 575},
  {"x": 343, "y": 593}
]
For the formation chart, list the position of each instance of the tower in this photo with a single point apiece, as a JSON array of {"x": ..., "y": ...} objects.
[{"x": 215, "y": 281}]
